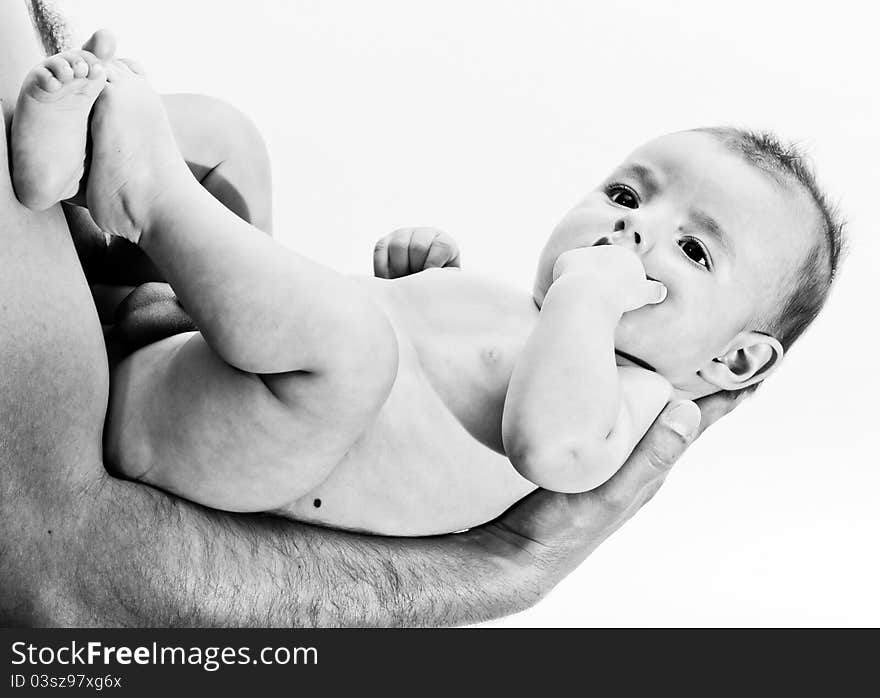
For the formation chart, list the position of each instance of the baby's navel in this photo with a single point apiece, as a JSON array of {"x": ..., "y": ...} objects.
[{"x": 491, "y": 356}]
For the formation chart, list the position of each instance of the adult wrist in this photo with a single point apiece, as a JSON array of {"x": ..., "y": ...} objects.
[{"x": 520, "y": 572}]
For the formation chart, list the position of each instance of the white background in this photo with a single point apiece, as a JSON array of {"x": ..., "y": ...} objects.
[{"x": 490, "y": 119}]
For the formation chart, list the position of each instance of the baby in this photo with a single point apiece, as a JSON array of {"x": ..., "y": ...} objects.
[{"x": 431, "y": 402}]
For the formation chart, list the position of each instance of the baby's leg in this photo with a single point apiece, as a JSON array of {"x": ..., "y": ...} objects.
[
  {"x": 228, "y": 157},
  {"x": 262, "y": 307},
  {"x": 50, "y": 126},
  {"x": 225, "y": 152},
  {"x": 325, "y": 351}
]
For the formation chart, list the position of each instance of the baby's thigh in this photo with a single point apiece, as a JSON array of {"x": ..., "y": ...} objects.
[{"x": 183, "y": 420}]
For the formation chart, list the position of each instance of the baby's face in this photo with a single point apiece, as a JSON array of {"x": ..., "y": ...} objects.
[{"x": 720, "y": 234}]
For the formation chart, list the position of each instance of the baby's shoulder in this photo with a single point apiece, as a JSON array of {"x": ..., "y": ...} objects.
[{"x": 641, "y": 386}]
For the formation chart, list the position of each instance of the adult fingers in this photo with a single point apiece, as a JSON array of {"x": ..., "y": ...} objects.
[
  {"x": 714, "y": 407},
  {"x": 640, "y": 476}
]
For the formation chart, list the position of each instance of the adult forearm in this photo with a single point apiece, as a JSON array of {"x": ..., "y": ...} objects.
[{"x": 167, "y": 562}]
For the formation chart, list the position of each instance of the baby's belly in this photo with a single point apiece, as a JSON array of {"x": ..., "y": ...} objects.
[
  {"x": 416, "y": 472},
  {"x": 413, "y": 493}
]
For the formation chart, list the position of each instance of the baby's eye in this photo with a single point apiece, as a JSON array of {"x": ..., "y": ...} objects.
[
  {"x": 622, "y": 195},
  {"x": 695, "y": 251}
]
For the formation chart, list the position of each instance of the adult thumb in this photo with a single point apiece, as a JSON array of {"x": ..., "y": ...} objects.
[{"x": 655, "y": 454}]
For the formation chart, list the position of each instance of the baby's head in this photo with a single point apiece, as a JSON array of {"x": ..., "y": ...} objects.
[{"x": 735, "y": 227}]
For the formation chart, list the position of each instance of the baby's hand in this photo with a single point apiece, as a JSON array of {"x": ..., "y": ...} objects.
[
  {"x": 611, "y": 273},
  {"x": 410, "y": 250}
]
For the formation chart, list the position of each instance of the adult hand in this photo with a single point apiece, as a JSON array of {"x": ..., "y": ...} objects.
[{"x": 553, "y": 533}]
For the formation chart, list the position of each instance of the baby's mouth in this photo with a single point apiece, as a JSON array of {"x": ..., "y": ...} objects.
[{"x": 635, "y": 361}]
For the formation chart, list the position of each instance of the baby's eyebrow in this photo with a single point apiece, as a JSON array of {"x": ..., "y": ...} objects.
[
  {"x": 708, "y": 224},
  {"x": 645, "y": 176}
]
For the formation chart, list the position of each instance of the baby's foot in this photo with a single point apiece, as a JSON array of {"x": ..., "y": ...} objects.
[
  {"x": 135, "y": 163},
  {"x": 50, "y": 127},
  {"x": 103, "y": 44}
]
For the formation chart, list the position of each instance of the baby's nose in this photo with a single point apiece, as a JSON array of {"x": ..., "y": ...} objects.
[{"x": 621, "y": 236}]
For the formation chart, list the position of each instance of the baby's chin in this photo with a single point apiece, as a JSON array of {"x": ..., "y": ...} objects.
[{"x": 686, "y": 385}]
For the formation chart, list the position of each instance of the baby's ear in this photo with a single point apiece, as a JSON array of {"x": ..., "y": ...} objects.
[{"x": 750, "y": 358}]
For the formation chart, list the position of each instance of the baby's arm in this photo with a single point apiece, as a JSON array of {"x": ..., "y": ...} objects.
[{"x": 571, "y": 416}]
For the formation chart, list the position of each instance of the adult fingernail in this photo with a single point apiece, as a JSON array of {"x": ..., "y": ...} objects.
[{"x": 684, "y": 418}]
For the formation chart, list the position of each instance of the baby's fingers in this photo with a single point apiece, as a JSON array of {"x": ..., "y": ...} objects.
[
  {"x": 391, "y": 254},
  {"x": 443, "y": 253},
  {"x": 398, "y": 253},
  {"x": 410, "y": 250},
  {"x": 654, "y": 292},
  {"x": 380, "y": 258},
  {"x": 643, "y": 293},
  {"x": 419, "y": 248}
]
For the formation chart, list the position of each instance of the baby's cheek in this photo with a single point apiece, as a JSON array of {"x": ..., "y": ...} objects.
[{"x": 656, "y": 338}]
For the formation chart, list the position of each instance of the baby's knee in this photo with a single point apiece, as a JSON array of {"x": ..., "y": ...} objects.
[
  {"x": 226, "y": 153},
  {"x": 204, "y": 123}
]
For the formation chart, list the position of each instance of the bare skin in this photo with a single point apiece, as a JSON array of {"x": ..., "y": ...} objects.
[
  {"x": 272, "y": 411},
  {"x": 326, "y": 418},
  {"x": 51, "y": 126},
  {"x": 82, "y": 548}
]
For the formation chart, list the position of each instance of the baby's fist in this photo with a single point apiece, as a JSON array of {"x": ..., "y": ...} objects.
[
  {"x": 614, "y": 274},
  {"x": 411, "y": 250}
]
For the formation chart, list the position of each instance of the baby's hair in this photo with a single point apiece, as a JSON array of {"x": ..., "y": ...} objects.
[{"x": 812, "y": 281}]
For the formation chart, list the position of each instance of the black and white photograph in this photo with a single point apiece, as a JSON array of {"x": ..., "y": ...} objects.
[{"x": 339, "y": 314}]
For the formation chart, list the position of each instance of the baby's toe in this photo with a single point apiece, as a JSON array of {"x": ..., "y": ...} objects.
[
  {"x": 102, "y": 43},
  {"x": 79, "y": 66},
  {"x": 94, "y": 64},
  {"x": 134, "y": 66},
  {"x": 97, "y": 71},
  {"x": 60, "y": 68},
  {"x": 45, "y": 80}
]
